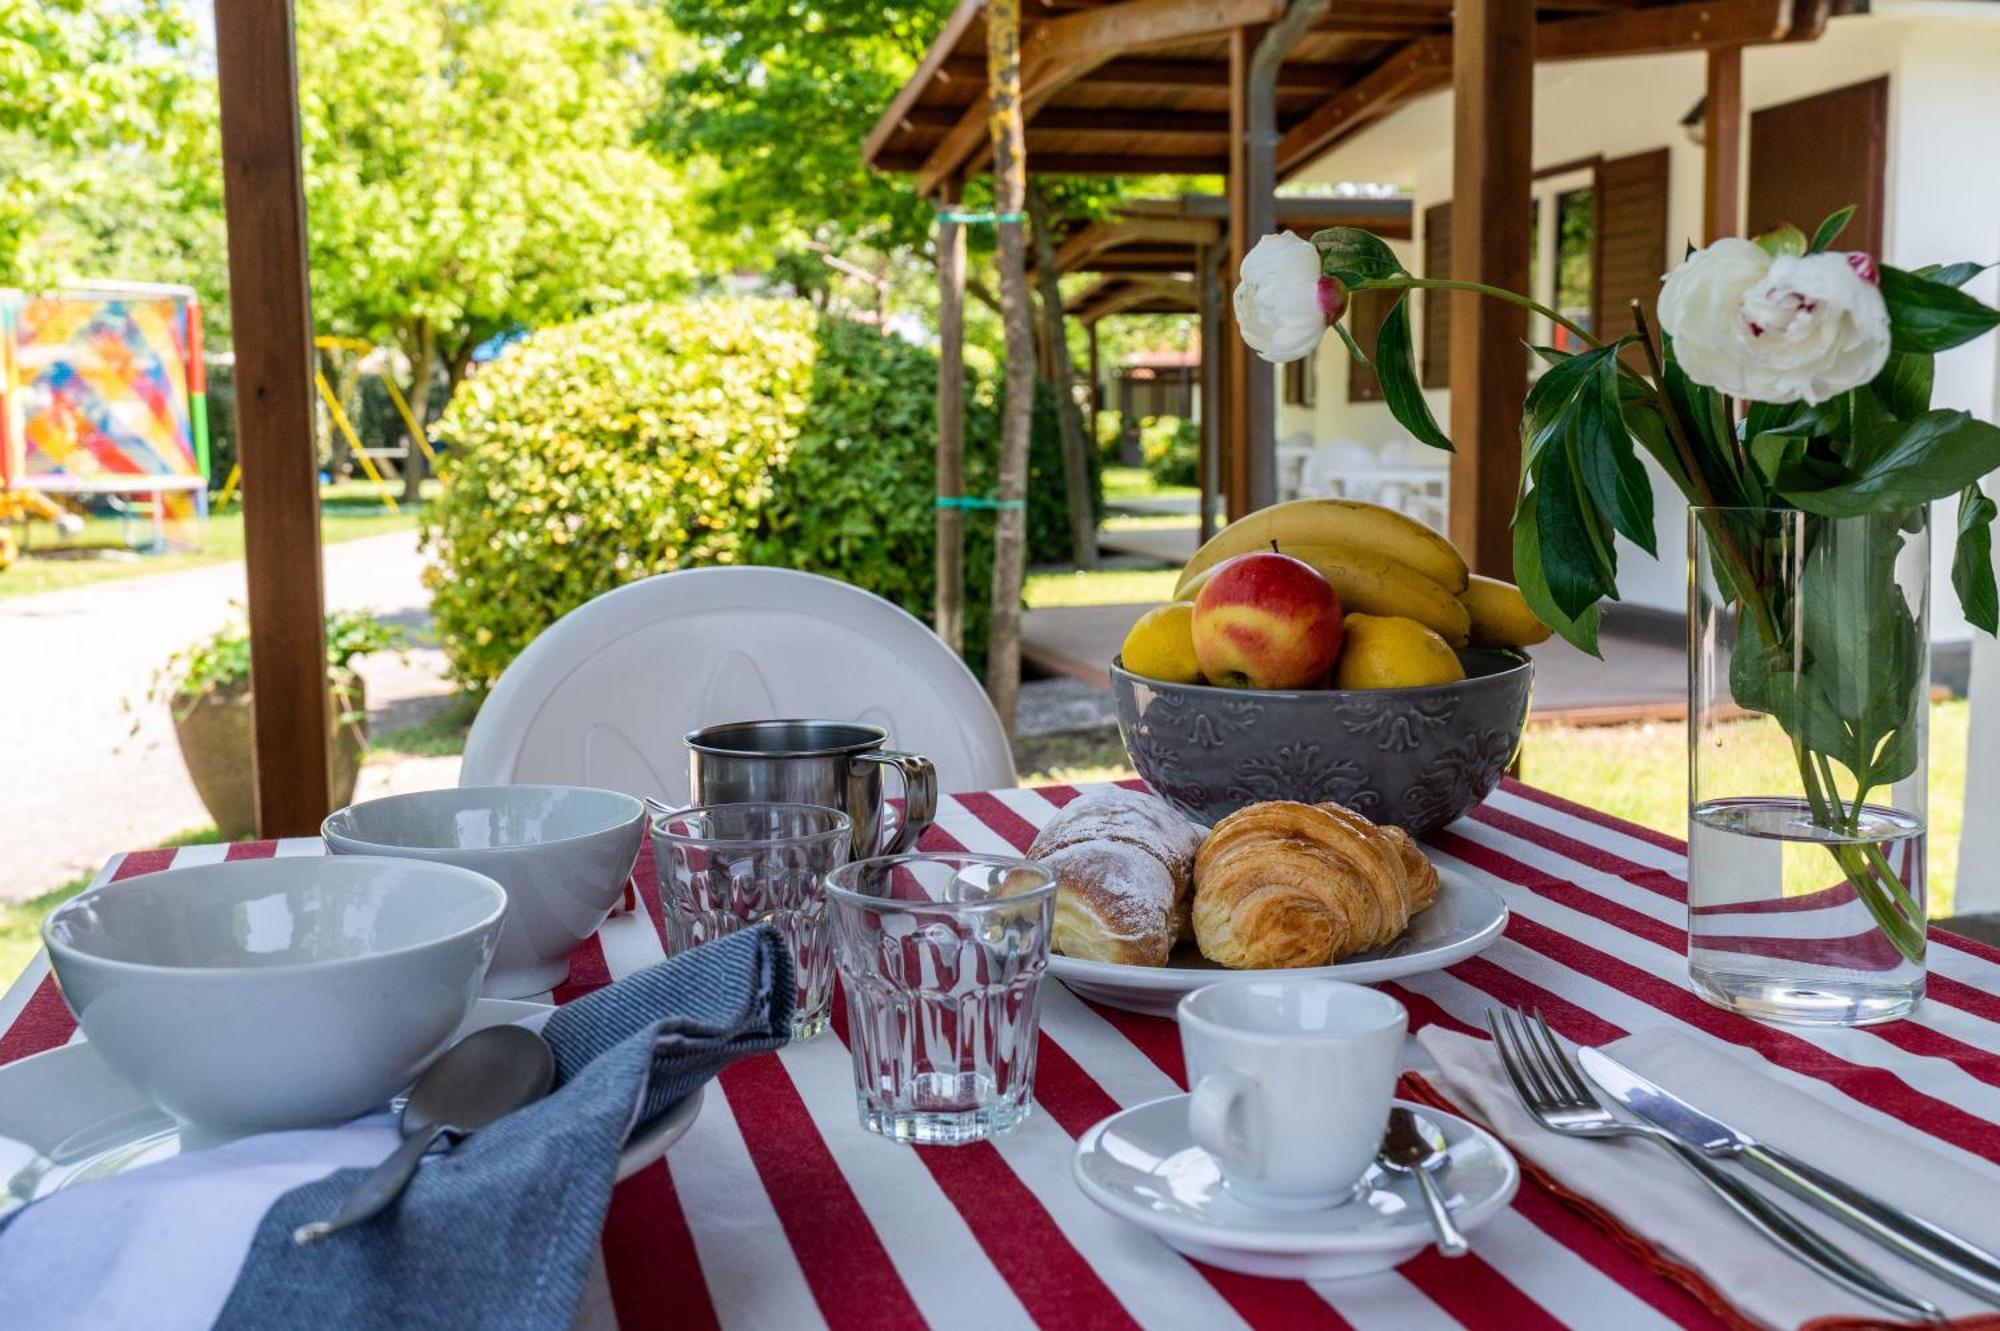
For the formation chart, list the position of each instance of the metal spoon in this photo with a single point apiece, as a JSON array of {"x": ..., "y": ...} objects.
[
  {"x": 1413, "y": 1145},
  {"x": 478, "y": 1081}
]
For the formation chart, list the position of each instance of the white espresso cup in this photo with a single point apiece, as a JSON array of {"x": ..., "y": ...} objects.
[{"x": 1291, "y": 1082}]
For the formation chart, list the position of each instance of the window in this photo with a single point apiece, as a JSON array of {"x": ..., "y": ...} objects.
[
  {"x": 1365, "y": 312},
  {"x": 1302, "y": 381}
]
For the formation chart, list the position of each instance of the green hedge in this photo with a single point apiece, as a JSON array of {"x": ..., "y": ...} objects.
[
  {"x": 1171, "y": 447},
  {"x": 656, "y": 437}
]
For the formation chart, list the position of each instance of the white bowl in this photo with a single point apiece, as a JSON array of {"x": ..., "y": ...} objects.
[
  {"x": 563, "y": 854},
  {"x": 256, "y": 995}
]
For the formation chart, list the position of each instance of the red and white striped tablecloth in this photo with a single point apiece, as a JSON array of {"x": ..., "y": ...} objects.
[{"x": 778, "y": 1211}]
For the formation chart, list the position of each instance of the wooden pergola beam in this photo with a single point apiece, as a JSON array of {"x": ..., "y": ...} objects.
[
  {"x": 1722, "y": 145},
  {"x": 271, "y": 309},
  {"x": 1079, "y": 250},
  {"x": 1421, "y": 67},
  {"x": 1058, "y": 50}
]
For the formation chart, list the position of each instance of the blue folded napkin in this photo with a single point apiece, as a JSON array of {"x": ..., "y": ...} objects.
[{"x": 498, "y": 1234}]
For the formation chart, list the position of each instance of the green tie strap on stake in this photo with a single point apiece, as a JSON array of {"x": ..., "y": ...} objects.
[
  {"x": 977, "y": 501},
  {"x": 981, "y": 219}
]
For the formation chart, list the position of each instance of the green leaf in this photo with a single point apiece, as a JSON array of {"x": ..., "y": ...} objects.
[
  {"x": 1580, "y": 631},
  {"x": 1545, "y": 412},
  {"x": 1786, "y": 239},
  {"x": 1354, "y": 256},
  {"x": 1829, "y": 230},
  {"x": 1972, "y": 560},
  {"x": 1610, "y": 467},
  {"x": 1577, "y": 559},
  {"x": 1904, "y": 386},
  {"x": 1930, "y": 315},
  {"x": 1952, "y": 274},
  {"x": 1396, "y": 371},
  {"x": 1928, "y": 457}
]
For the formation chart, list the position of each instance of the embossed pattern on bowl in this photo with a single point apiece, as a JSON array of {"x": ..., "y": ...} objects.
[{"x": 1418, "y": 758}]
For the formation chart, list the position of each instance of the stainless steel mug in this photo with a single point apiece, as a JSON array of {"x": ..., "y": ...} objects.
[{"x": 835, "y": 764}]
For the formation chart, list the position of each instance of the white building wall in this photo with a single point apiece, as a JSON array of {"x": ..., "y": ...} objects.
[{"x": 1943, "y": 199}]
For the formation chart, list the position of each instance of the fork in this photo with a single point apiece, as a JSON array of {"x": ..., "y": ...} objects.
[{"x": 1555, "y": 1093}]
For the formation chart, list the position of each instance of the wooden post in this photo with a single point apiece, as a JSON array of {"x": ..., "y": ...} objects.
[
  {"x": 1493, "y": 68},
  {"x": 1010, "y": 180},
  {"x": 1722, "y": 139},
  {"x": 1214, "y": 331},
  {"x": 271, "y": 310},
  {"x": 1250, "y": 383},
  {"x": 949, "y": 561},
  {"x": 1061, "y": 374}
]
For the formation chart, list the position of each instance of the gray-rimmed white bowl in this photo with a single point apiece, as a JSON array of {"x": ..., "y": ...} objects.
[
  {"x": 1418, "y": 758},
  {"x": 562, "y": 853},
  {"x": 256, "y": 995}
]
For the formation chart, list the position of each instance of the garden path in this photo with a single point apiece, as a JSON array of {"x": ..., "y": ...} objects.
[{"x": 77, "y": 783}]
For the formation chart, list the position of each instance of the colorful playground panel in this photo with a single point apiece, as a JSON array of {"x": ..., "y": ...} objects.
[{"x": 102, "y": 390}]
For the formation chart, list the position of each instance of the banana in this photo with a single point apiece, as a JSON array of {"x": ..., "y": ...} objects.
[
  {"x": 1329, "y": 522},
  {"x": 1500, "y": 614},
  {"x": 1374, "y": 584}
]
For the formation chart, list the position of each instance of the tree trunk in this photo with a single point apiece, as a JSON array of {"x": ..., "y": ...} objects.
[
  {"x": 949, "y": 568},
  {"x": 422, "y": 364},
  {"x": 1010, "y": 520},
  {"x": 1062, "y": 378}
]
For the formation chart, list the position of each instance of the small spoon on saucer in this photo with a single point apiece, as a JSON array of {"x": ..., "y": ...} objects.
[
  {"x": 478, "y": 1081},
  {"x": 1413, "y": 1145}
]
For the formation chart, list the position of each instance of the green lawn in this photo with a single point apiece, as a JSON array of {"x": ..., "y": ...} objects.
[
  {"x": 1137, "y": 483},
  {"x": 348, "y": 511},
  {"x": 1119, "y": 586}
]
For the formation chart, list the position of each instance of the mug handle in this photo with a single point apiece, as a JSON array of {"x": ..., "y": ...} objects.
[
  {"x": 919, "y": 794},
  {"x": 1218, "y": 1128}
]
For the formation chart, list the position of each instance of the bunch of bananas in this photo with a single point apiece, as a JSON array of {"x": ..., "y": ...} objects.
[{"x": 1380, "y": 562}]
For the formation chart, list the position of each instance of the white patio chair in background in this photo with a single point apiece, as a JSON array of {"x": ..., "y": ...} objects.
[{"x": 605, "y": 694}]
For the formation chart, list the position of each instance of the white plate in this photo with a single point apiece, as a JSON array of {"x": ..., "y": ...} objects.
[
  {"x": 66, "y": 1118},
  {"x": 1464, "y": 919},
  {"x": 1142, "y": 1166}
]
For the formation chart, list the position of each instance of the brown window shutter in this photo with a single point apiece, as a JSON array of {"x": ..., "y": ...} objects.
[
  {"x": 1815, "y": 156},
  {"x": 1631, "y": 240},
  {"x": 1295, "y": 383},
  {"x": 1365, "y": 312},
  {"x": 1437, "y": 304}
]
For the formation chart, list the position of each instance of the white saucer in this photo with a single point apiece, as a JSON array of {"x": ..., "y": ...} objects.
[
  {"x": 1141, "y": 1165},
  {"x": 1464, "y": 919},
  {"x": 66, "y": 1118}
]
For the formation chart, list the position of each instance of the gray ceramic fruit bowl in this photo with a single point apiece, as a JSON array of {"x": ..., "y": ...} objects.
[{"x": 1418, "y": 758}]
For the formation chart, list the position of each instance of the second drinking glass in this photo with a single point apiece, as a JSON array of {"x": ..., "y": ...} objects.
[{"x": 724, "y": 867}]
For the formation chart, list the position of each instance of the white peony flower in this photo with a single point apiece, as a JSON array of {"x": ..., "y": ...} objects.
[
  {"x": 1278, "y": 298},
  {"x": 1788, "y": 328}
]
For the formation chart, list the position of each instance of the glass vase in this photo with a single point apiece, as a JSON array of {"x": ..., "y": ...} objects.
[{"x": 1808, "y": 678}]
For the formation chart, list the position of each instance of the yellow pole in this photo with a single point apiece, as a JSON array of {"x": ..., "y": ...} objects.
[
  {"x": 410, "y": 420},
  {"x": 341, "y": 424},
  {"x": 229, "y": 485}
]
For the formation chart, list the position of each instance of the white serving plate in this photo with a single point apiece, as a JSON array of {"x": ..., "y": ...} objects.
[
  {"x": 1141, "y": 1165},
  {"x": 66, "y": 1118},
  {"x": 1465, "y": 918}
]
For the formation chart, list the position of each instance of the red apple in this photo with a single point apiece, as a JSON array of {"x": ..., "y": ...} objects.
[{"x": 1266, "y": 621}]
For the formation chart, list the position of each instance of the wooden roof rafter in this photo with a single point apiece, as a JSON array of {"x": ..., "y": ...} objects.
[{"x": 1141, "y": 86}]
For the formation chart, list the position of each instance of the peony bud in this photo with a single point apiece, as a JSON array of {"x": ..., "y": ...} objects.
[
  {"x": 1332, "y": 300},
  {"x": 1281, "y": 298}
]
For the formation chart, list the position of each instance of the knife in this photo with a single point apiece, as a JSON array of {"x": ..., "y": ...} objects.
[{"x": 1930, "y": 1246}]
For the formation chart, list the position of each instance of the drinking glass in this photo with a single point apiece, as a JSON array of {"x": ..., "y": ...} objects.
[
  {"x": 941, "y": 958},
  {"x": 723, "y": 867}
]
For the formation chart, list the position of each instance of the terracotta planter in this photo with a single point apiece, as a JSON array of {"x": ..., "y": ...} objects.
[{"x": 215, "y": 743}]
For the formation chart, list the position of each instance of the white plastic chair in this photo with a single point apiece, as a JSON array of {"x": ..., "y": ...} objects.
[{"x": 604, "y": 695}]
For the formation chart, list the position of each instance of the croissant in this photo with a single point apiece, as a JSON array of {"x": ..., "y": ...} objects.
[
  {"x": 1285, "y": 884},
  {"x": 1123, "y": 861}
]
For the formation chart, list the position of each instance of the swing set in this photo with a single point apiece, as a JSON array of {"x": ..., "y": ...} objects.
[{"x": 366, "y": 457}]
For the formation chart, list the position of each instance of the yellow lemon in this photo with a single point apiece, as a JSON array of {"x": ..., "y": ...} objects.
[
  {"x": 1391, "y": 652},
  {"x": 1161, "y": 645}
]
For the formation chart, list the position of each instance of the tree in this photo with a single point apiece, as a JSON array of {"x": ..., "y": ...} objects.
[
  {"x": 78, "y": 77},
  {"x": 474, "y": 170}
]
